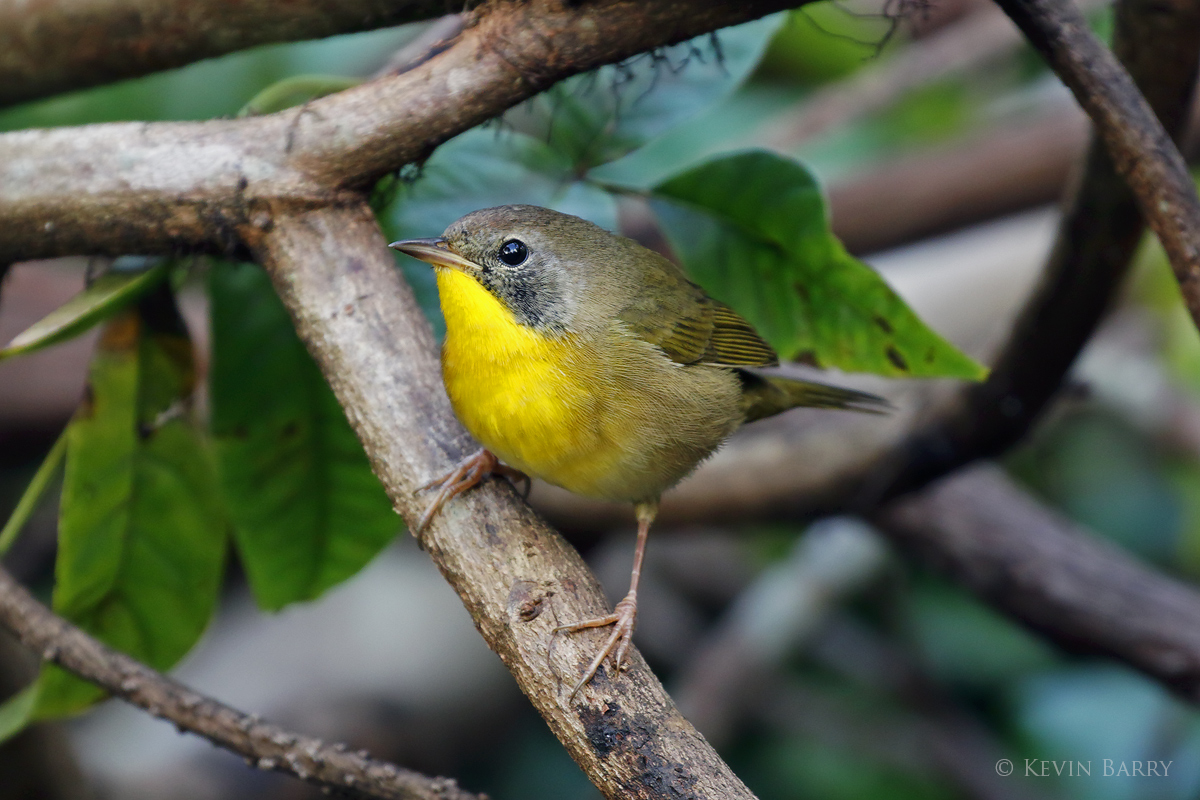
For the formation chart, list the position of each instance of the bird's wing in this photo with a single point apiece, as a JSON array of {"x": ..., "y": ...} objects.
[{"x": 693, "y": 328}]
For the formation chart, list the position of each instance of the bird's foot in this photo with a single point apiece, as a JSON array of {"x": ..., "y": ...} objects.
[
  {"x": 466, "y": 473},
  {"x": 623, "y": 619}
]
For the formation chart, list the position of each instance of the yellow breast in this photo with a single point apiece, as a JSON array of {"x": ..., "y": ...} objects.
[{"x": 531, "y": 399}]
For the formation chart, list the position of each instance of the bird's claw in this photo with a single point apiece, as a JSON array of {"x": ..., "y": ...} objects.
[
  {"x": 623, "y": 619},
  {"x": 465, "y": 474}
]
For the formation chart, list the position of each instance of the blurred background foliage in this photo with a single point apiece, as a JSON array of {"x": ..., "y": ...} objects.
[{"x": 906, "y": 688}]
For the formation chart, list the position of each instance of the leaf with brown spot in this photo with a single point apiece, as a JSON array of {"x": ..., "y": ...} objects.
[
  {"x": 751, "y": 228},
  {"x": 141, "y": 546}
]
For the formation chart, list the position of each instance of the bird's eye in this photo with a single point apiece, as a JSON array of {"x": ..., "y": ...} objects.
[{"x": 513, "y": 252}]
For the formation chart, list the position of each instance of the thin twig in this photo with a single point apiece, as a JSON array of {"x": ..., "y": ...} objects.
[{"x": 264, "y": 745}]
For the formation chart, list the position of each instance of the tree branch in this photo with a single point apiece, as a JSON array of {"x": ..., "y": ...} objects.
[
  {"x": 1096, "y": 241},
  {"x": 1141, "y": 150},
  {"x": 1084, "y": 594},
  {"x": 55, "y": 46},
  {"x": 264, "y": 745},
  {"x": 170, "y": 186},
  {"x": 517, "y": 577}
]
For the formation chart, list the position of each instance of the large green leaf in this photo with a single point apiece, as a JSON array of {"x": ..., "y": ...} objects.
[
  {"x": 141, "y": 530},
  {"x": 601, "y": 116},
  {"x": 307, "y": 510},
  {"x": 751, "y": 228},
  {"x": 106, "y": 295}
]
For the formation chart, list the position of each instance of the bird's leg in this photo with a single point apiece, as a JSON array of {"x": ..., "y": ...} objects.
[
  {"x": 466, "y": 473},
  {"x": 624, "y": 616}
]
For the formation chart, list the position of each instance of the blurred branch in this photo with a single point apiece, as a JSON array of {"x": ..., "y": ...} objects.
[
  {"x": 1084, "y": 594},
  {"x": 262, "y": 744},
  {"x": 197, "y": 185},
  {"x": 738, "y": 671},
  {"x": 772, "y": 617},
  {"x": 1140, "y": 147},
  {"x": 954, "y": 750},
  {"x": 518, "y": 578},
  {"x": 57, "y": 45},
  {"x": 1000, "y": 171},
  {"x": 930, "y": 729}
]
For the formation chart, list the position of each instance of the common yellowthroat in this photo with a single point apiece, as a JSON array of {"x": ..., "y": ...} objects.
[{"x": 584, "y": 359}]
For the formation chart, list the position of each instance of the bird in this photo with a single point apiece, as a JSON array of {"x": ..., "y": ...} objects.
[{"x": 580, "y": 357}]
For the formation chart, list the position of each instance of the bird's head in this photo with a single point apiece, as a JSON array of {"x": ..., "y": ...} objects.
[{"x": 552, "y": 271}]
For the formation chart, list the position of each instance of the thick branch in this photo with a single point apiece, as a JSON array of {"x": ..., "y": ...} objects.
[
  {"x": 264, "y": 745},
  {"x": 518, "y": 578},
  {"x": 164, "y": 187},
  {"x": 1139, "y": 146},
  {"x": 55, "y": 46},
  {"x": 1084, "y": 594}
]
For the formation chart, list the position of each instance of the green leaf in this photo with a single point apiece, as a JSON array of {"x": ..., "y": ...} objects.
[
  {"x": 307, "y": 510},
  {"x": 141, "y": 530},
  {"x": 295, "y": 90},
  {"x": 107, "y": 295},
  {"x": 16, "y": 711},
  {"x": 601, "y": 116},
  {"x": 479, "y": 169},
  {"x": 751, "y": 229}
]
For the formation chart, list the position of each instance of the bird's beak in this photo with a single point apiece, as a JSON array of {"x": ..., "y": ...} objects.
[{"x": 434, "y": 251}]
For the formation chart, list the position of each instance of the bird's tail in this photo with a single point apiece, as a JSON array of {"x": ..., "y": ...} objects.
[{"x": 767, "y": 395}]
